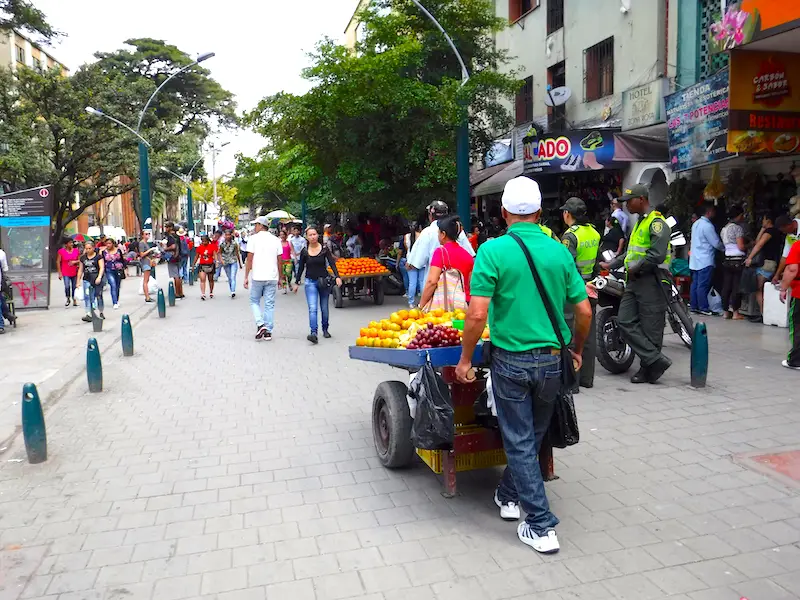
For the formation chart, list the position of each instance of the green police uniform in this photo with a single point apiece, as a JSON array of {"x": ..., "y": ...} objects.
[
  {"x": 583, "y": 242},
  {"x": 642, "y": 311}
]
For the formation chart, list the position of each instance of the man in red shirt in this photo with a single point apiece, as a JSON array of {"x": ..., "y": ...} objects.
[{"x": 791, "y": 281}]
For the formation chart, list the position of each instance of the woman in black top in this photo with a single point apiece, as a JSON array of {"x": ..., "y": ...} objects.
[
  {"x": 614, "y": 239},
  {"x": 769, "y": 243},
  {"x": 315, "y": 259},
  {"x": 90, "y": 272}
]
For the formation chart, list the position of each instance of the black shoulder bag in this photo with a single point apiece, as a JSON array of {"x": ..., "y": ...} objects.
[{"x": 563, "y": 430}]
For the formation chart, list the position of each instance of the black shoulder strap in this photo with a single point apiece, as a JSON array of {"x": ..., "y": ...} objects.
[{"x": 545, "y": 298}]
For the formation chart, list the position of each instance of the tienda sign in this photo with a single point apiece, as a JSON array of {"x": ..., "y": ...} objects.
[{"x": 548, "y": 149}]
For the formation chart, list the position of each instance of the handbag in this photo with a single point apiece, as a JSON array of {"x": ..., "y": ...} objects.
[
  {"x": 450, "y": 279},
  {"x": 563, "y": 429}
]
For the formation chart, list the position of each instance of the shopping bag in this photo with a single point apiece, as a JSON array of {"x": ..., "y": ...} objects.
[
  {"x": 79, "y": 292},
  {"x": 433, "y": 427},
  {"x": 563, "y": 430},
  {"x": 714, "y": 301}
]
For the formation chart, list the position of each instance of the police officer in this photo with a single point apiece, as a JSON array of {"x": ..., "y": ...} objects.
[
  {"x": 643, "y": 307},
  {"x": 583, "y": 241}
]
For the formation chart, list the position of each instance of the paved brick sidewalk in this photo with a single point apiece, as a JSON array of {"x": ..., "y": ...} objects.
[{"x": 214, "y": 467}]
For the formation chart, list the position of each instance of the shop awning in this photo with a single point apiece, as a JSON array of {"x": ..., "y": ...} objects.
[
  {"x": 476, "y": 177},
  {"x": 648, "y": 144},
  {"x": 496, "y": 183}
]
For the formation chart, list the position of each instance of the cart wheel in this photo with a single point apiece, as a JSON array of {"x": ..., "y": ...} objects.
[
  {"x": 378, "y": 291},
  {"x": 338, "y": 300},
  {"x": 391, "y": 425}
]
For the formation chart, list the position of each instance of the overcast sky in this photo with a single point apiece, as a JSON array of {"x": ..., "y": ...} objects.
[{"x": 260, "y": 45}]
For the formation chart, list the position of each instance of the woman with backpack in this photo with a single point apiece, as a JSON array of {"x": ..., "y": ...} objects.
[
  {"x": 450, "y": 269},
  {"x": 115, "y": 269}
]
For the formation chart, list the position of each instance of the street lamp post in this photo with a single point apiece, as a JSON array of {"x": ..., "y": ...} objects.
[
  {"x": 144, "y": 162},
  {"x": 189, "y": 208},
  {"x": 462, "y": 139}
]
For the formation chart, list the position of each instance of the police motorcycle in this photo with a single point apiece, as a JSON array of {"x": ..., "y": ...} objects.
[{"x": 614, "y": 354}]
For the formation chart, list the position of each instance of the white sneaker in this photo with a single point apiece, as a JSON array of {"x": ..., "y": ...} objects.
[
  {"x": 508, "y": 511},
  {"x": 116, "y": 307},
  {"x": 785, "y": 363},
  {"x": 545, "y": 544}
]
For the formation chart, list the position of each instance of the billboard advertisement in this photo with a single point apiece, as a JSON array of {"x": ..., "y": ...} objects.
[{"x": 571, "y": 151}]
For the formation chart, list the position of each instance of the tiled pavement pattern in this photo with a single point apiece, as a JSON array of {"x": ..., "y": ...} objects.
[{"x": 212, "y": 467}]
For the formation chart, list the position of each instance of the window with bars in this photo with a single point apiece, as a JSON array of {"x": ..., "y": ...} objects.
[
  {"x": 557, "y": 115},
  {"x": 598, "y": 70},
  {"x": 555, "y": 15},
  {"x": 20, "y": 54},
  {"x": 519, "y": 8},
  {"x": 524, "y": 103}
]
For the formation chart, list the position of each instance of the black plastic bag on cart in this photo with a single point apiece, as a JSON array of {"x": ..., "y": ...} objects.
[{"x": 433, "y": 427}]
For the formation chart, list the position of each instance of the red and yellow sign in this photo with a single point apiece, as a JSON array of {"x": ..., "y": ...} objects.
[{"x": 764, "y": 102}]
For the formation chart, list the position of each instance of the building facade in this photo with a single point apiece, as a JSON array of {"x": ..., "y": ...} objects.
[{"x": 18, "y": 50}]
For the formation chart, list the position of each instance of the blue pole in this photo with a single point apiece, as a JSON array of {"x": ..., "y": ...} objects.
[
  {"x": 127, "y": 336},
  {"x": 462, "y": 170},
  {"x": 144, "y": 187},
  {"x": 190, "y": 223},
  {"x": 33, "y": 429},
  {"x": 162, "y": 308},
  {"x": 94, "y": 366},
  {"x": 171, "y": 293},
  {"x": 699, "y": 358}
]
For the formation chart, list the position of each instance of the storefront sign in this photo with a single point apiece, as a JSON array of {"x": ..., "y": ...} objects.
[
  {"x": 697, "y": 123},
  {"x": 764, "y": 102},
  {"x": 752, "y": 20},
  {"x": 25, "y": 237},
  {"x": 578, "y": 150},
  {"x": 642, "y": 106}
]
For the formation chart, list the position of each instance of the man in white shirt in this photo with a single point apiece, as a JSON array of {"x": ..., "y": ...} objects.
[
  {"x": 623, "y": 218},
  {"x": 297, "y": 242},
  {"x": 420, "y": 256},
  {"x": 264, "y": 261}
]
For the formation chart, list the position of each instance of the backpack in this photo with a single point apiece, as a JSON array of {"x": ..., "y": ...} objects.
[{"x": 183, "y": 247}]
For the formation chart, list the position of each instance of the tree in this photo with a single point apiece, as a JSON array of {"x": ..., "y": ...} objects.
[
  {"x": 203, "y": 191},
  {"x": 377, "y": 129},
  {"x": 21, "y": 14}
]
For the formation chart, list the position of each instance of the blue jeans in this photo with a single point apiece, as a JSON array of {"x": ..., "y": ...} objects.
[
  {"x": 525, "y": 386},
  {"x": 701, "y": 286},
  {"x": 3, "y": 311},
  {"x": 93, "y": 295},
  {"x": 404, "y": 272},
  {"x": 230, "y": 272},
  {"x": 266, "y": 289},
  {"x": 114, "y": 279},
  {"x": 316, "y": 294},
  {"x": 69, "y": 286},
  {"x": 416, "y": 283},
  {"x": 185, "y": 268}
]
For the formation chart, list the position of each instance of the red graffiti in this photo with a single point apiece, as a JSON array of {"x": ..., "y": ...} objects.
[{"x": 28, "y": 293}]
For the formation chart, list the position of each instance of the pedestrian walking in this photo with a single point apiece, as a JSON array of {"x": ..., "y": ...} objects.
[
  {"x": 91, "y": 271},
  {"x": 218, "y": 239},
  {"x": 450, "y": 269},
  {"x": 525, "y": 359},
  {"x": 298, "y": 243},
  {"x": 732, "y": 236},
  {"x": 287, "y": 268},
  {"x": 413, "y": 278},
  {"x": 173, "y": 256},
  {"x": 315, "y": 261},
  {"x": 242, "y": 244},
  {"x": 205, "y": 260},
  {"x": 4, "y": 312},
  {"x": 115, "y": 269},
  {"x": 790, "y": 282},
  {"x": 185, "y": 249},
  {"x": 790, "y": 228},
  {"x": 643, "y": 307},
  {"x": 231, "y": 258},
  {"x": 582, "y": 241},
  {"x": 67, "y": 262},
  {"x": 704, "y": 243},
  {"x": 147, "y": 253},
  {"x": 264, "y": 262}
]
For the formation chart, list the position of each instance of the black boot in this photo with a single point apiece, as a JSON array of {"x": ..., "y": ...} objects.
[
  {"x": 657, "y": 369},
  {"x": 640, "y": 376}
]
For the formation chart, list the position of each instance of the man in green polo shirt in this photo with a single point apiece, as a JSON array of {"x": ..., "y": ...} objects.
[{"x": 525, "y": 363}]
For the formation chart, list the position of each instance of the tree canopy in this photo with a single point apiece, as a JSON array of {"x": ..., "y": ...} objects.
[
  {"x": 23, "y": 15},
  {"x": 377, "y": 129},
  {"x": 50, "y": 139}
]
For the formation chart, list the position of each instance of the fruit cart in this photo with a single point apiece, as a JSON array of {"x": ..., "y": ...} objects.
[
  {"x": 359, "y": 286},
  {"x": 475, "y": 446}
]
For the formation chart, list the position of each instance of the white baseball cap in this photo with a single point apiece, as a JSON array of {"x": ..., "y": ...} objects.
[
  {"x": 262, "y": 220},
  {"x": 522, "y": 196}
]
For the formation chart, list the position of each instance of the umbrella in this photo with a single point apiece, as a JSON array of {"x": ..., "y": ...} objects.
[
  {"x": 79, "y": 237},
  {"x": 280, "y": 214}
]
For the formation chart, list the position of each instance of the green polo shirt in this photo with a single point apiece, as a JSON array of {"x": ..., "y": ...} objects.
[{"x": 517, "y": 317}]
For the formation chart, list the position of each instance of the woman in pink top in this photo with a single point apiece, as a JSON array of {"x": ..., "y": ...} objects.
[
  {"x": 450, "y": 255},
  {"x": 286, "y": 262},
  {"x": 67, "y": 266}
]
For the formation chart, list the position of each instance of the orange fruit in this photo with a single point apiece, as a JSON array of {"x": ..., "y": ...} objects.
[
  {"x": 363, "y": 332},
  {"x": 438, "y": 312},
  {"x": 373, "y": 333},
  {"x": 414, "y": 313},
  {"x": 403, "y": 314},
  {"x": 362, "y": 341}
]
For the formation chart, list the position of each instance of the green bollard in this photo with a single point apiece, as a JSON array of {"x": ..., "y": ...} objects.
[
  {"x": 94, "y": 366},
  {"x": 127, "y": 336},
  {"x": 699, "y": 360},
  {"x": 191, "y": 275},
  {"x": 171, "y": 293},
  {"x": 162, "y": 308},
  {"x": 33, "y": 430}
]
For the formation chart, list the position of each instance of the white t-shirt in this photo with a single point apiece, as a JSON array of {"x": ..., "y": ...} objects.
[
  {"x": 3, "y": 267},
  {"x": 265, "y": 249},
  {"x": 791, "y": 239}
]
